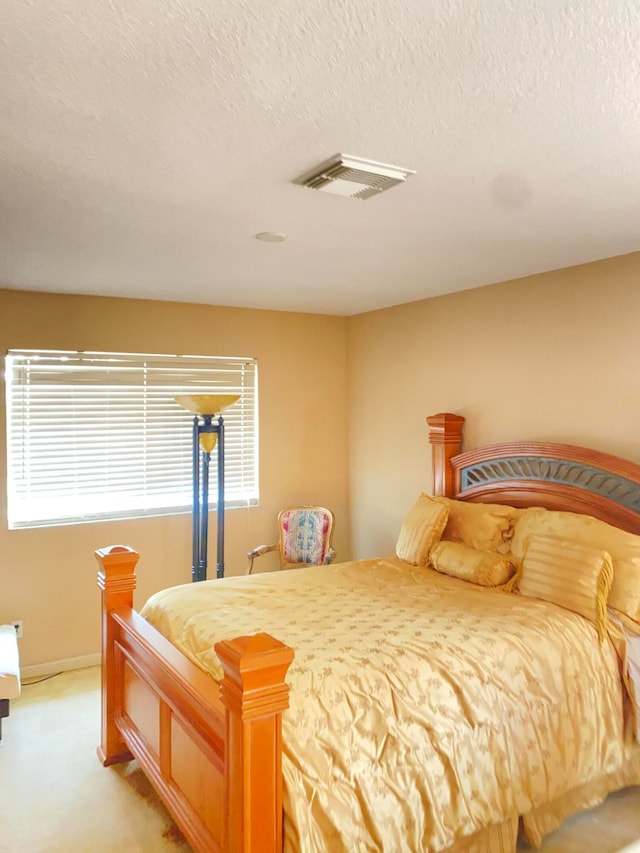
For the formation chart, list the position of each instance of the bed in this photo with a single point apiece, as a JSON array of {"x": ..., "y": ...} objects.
[{"x": 449, "y": 762}]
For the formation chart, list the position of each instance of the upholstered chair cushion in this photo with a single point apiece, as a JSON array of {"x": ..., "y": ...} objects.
[
  {"x": 487, "y": 527},
  {"x": 567, "y": 573},
  {"x": 624, "y": 549},
  {"x": 469, "y": 564},
  {"x": 304, "y": 535},
  {"x": 421, "y": 529}
]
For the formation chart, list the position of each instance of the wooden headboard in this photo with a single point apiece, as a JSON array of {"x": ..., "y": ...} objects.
[{"x": 535, "y": 473}]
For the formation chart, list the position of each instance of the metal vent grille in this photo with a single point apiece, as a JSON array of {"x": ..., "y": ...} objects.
[{"x": 354, "y": 177}]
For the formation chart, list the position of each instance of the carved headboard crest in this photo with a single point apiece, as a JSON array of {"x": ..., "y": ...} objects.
[{"x": 530, "y": 473}]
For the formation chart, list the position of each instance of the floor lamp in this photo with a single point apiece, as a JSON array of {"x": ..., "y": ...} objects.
[{"x": 208, "y": 430}]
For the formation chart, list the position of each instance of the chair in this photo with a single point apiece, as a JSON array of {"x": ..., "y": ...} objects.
[{"x": 305, "y": 538}]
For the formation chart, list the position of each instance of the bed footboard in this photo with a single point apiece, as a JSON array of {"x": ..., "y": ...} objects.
[{"x": 212, "y": 751}]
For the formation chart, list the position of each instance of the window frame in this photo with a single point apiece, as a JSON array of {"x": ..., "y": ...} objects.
[{"x": 140, "y": 379}]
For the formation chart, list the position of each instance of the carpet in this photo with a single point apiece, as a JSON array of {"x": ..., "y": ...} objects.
[{"x": 55, "y": 795}]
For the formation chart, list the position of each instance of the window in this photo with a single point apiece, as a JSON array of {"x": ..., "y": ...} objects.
[{"x": 95, "y": 436}]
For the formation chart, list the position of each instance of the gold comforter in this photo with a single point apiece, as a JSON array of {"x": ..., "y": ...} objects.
[{"x": 422, "y": 708}]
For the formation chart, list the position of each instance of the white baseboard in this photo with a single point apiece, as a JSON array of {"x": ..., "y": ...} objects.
[{"x": 59, "y": 666}]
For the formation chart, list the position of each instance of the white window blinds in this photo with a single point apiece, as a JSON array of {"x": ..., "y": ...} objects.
[{"x": 95, "y": 436}]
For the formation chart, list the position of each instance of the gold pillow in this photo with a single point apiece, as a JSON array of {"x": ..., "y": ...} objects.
[
  {"x": 469, "y": 564},
  {"x": 487, "y": 527},
  {"x": 623, "y": 547},
  {"x": 565, "y": 572},
  {"x": 421, "y": 530}
]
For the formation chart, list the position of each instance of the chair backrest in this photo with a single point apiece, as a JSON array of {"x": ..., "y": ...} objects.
[{"x": 305, "y": 535}]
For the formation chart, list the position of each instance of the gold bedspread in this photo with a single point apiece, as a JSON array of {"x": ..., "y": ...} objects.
[{"x": 422, "y": 708}]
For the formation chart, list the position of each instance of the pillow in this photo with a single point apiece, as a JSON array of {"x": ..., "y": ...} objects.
[
  {"x": 421, "y": 530},
  {"x": 469, "y": 564},
  {"x": 487, "y": 527},
  {"x": 623, "y": 547},
  {"x": 575, "y": 576}
]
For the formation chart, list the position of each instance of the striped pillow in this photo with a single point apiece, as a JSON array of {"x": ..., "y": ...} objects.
[
  {"x": 421, "y": 530},
  {"x": 570, "y": 574},
  {"x": 624, "y": 549}
]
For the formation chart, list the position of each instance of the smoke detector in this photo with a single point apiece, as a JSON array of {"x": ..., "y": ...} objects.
[{"x": 354, "y": 177}]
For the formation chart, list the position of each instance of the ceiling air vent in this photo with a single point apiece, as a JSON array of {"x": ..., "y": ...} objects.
[{"x": 354, "y": 177}]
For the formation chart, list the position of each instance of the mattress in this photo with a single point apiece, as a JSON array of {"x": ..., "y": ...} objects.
[{"x": 423, "y": 708}]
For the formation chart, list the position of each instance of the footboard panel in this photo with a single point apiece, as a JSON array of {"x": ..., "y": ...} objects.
[
  {"x": 212, "y": 751},
  {"x": 173, "y": 722}
]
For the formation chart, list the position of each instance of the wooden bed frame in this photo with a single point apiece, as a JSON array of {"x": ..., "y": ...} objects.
[{"x": 213, "y": 751}]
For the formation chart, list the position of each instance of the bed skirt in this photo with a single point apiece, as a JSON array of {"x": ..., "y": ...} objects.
[{"x": 499, "y": 838}]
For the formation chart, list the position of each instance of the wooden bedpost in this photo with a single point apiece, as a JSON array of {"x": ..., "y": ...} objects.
[
  {"x": 254, "y": 693},
  {"x": 117, "y": 580},
  {"x": 445, "y": 437}
]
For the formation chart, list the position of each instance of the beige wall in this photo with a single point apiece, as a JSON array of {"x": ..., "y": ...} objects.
[
  {"x": 554, "y": 356},
  {"x": 48, "y": 576}
]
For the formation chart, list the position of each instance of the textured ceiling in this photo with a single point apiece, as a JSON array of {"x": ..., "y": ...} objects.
[{"x": 144, "y": 142}]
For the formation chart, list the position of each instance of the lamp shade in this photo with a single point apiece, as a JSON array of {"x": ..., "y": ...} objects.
[{"x": 207, "y": 404}]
